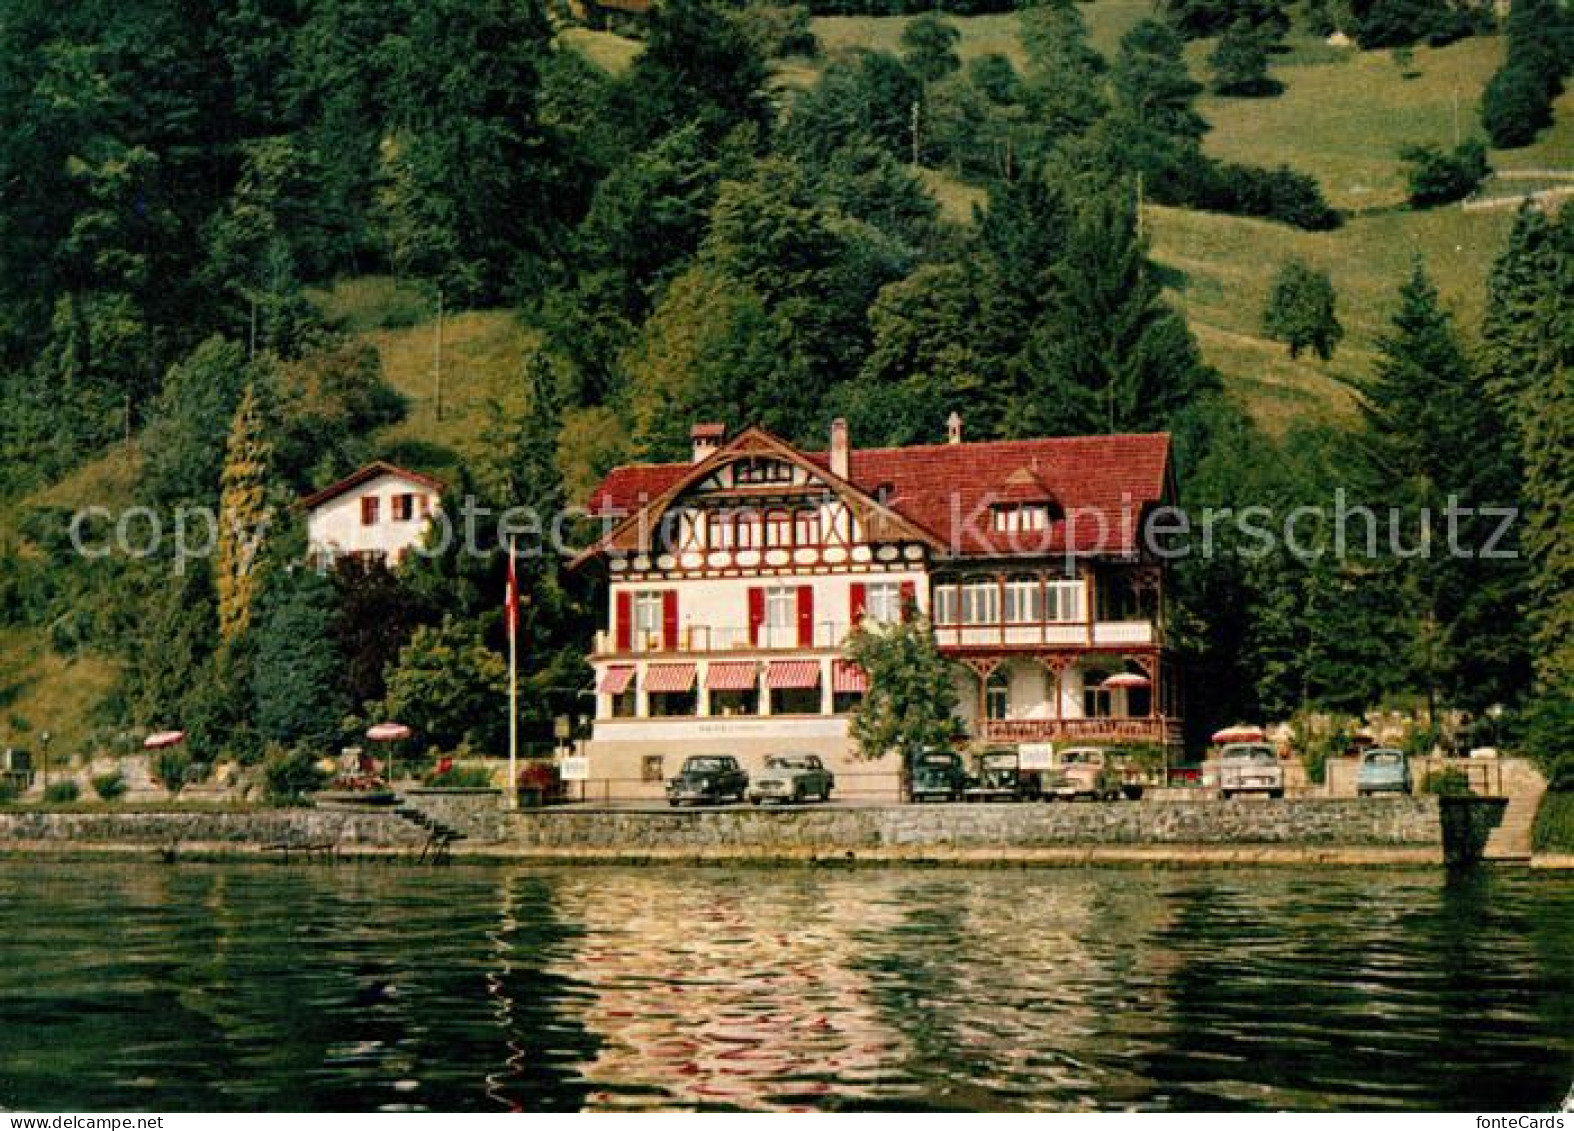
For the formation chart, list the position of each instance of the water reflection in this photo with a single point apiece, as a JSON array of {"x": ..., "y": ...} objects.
[{"x": 490, "y": 989}]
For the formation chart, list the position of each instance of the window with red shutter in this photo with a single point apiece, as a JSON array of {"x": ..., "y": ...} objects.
[
  {"x": 368, "y": 510},
  {"x": 669, "y": 619},
  {"x": 806, "y": 616},
  {"x": 857, "y": 602},
  {"x": 756, "y": 613},
  {"x": 623, "y": 621},
  {"x": 909, "y": 597}
]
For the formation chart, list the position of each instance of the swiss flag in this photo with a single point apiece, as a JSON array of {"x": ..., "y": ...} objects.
[{"x": 511, "y": 599}]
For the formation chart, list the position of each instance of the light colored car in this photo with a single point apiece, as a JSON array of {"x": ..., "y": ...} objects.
[
  {"x": 1082, "y": 771},
  {"x": 1250, "y": 767},
  {"x": 792, "y": 777},
  {"x": 1383, "y": 770}
]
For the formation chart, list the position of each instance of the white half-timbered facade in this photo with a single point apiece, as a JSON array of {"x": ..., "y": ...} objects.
[{"x": 733, "y": 582}]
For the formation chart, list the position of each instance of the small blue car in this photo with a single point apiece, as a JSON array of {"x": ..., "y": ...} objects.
[{"x": 1383, "y": 770}]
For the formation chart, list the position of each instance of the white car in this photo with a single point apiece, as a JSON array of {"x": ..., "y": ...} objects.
[
  {"x": 1250, "y": 767},
  {"x": 791, "y": 777}
]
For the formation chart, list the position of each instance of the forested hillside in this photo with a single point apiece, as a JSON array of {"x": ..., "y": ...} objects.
[{"x": 248, "y": 245}]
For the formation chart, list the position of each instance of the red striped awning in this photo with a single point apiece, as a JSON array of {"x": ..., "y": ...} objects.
[
  {"x": 669, "y": 678},
  {"x": 847, "y": 678},
  {"x": 793, "y": 675},
  {"x": 732, "y": 677},
  {"x": 616, "y": 680}
]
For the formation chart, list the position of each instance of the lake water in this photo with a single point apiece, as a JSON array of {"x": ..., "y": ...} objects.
[{"x": 376, "y": 986}]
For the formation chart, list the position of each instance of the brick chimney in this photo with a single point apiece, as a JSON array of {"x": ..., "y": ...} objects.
[
  {"x": 839, "y": 448},
  {"x": 706, "y": 438},
  {"x": 953, "y": 428}
]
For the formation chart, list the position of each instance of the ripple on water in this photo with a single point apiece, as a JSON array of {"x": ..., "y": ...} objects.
[{"x": 371, "y": 987}]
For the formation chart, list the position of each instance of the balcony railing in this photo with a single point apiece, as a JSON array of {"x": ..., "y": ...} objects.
[
  {"x": 725, "y": 638},
  {"x": 1157, "y": 730},
  {"x": 1004, "y": 635}
]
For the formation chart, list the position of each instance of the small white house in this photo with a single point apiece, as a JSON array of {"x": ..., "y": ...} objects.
[{"x": 379, "y": 512}]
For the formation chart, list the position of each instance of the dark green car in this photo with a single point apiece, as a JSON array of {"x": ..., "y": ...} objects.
[{"x": 937, "y": 774}]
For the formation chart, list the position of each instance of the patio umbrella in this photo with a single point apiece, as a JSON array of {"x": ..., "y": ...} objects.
[
  {"x": 388, "y": 732},
  {"x": 163, "y": 739},
  {"x": 1127, "y": 680},
  {"x": 1239, "y": 733}
]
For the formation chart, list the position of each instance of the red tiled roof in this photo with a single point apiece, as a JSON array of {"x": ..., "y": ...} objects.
[
  {"x": 1102, "y": 484},
  {"x": 365, "y": 474}
]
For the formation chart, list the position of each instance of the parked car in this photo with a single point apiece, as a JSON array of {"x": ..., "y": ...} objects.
[
  {"x": 1084, "y": 771},
  {"x": 1000, "y": 777},
  {"x": 1382, "y": 770},
  {"x": 1250, "y": 767},
  {"x": 937, "y": 773},
  {"x": 792, "y": 777},
  {"x": 708, "y": 777}
]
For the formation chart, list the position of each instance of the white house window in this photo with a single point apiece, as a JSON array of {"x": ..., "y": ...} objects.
[
  {"x": 781, "y": 614},
  {"x": 1024, "y": 601},
  {"x": 752, "y": 471},
  {"x": 981, "y": 603},
  {"x": 778, "y": 529},
  {"x": 1064, "y": 599},
  {"x": 1026, "y": 517},
  {"x": 945, "y": 604},
  {"x": 806, "y": 527},
  {"x": 883, "y": 602},
  {"x": 647, "y": 616},
  {"x": 403, "y": 508},
  {"x": 997, "y": 695}
]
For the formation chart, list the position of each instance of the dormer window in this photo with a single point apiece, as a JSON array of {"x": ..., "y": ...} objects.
[
  {"x": 754, "y": 472},
  {"x": 1017, "y": 518}
]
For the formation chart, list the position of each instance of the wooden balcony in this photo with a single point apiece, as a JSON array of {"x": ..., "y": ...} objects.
[
  {"x": 1161, "y": 731},
  {"x": 1046, "y": 634}
]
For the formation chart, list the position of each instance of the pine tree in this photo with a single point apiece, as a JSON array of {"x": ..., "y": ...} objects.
[
  {"x": 1528, "y": 355},
  {"x": 296, "y": 667},
  {"x": 1152, "y": 84},
  {"x": 245, "y": 514},
  {"x": 1434, "y": 441},
  {"x": 1110, "y": 355}
]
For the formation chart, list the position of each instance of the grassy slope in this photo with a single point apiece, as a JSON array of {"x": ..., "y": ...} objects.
[
  {"x": 48, "y": 692},
  {"x": 1554, "y": 829}
]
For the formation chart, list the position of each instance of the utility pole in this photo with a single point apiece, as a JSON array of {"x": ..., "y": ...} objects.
[
  {"x": 915, "y": 133},
  {"x": 1456, "y": 117},
  {"x": 1142, "y": 226},
  {"x": 438, "y": 363}
]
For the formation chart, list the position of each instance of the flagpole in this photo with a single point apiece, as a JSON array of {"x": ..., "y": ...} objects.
[{"x": 513, "y": 679}]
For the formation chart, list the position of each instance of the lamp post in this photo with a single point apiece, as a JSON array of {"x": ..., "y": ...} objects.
[{"x": 43, "y": 757}]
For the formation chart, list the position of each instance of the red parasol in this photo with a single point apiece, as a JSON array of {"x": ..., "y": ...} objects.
[
  {"x": 1240, "y": 733},
  {"x": 387, "y": 732},
  {"x": 1127, "y": 680}
]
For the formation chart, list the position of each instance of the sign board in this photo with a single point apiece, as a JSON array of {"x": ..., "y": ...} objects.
[
  {"x": 575, "y": 768},
  {"x": 1036, "y": 755}
]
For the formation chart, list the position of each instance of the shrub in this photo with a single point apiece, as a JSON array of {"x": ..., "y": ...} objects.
[
  {"x": 1276, "y": 194},
  {"x": 291, "y": 774},
  {"x": 169, "y": 767},
  {"x": 110, "y": 786},
  {"x": 458, "y": 777},
  {"x": 1437, "y": 177},
  {"x": 1515, "y": 107},
  {"x": 1446, "y": 783},
  {"x": 1554, "y": 828},
  {"x": 8, "y": 791},
  {"x": 62, "y": 792}
]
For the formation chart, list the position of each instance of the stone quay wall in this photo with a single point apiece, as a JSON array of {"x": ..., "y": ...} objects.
[
  {"x": 208, "y": 832},
  {"x": 1410, "y": 826}
]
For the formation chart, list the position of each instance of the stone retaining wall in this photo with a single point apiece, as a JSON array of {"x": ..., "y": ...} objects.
[
  {"x": 208, "y": 831},
  {"x": 1407, "y": 822}
]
